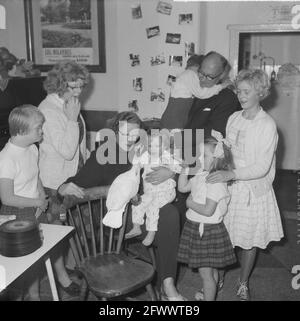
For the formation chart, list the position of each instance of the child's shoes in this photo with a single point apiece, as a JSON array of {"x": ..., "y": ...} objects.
[
  {"x": 199, "y": 295},
  {"x": 243, "y": 291}
]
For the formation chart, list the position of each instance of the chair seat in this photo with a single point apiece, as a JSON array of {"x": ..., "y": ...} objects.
[{"x": 112, "y": 275}]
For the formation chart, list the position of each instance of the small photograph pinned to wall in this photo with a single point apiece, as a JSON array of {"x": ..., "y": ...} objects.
[
  {"x": 185, "y": 19},
  {"x": 133, "y": 105},
  {"x": 189, "y": 48},
  {"x": 152, "y": 32},
  {"x": 136, "y": 11},
  {"x": 173, "y": 38},
  {"x": 164, "y": 7},
  {"x": 138, "y": 84},
  {"x": 175, "y": 61},
  {"x": 170, "y": 80},
  {"x": 134, "y": 60},
  {"x": 158, "y": 60},
  {"x": 157, "y": 95}
]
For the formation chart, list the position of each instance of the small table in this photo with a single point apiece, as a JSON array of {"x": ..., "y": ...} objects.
[{"x": 12, "y": 267}]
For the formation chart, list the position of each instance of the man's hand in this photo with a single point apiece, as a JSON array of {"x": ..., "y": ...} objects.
[
  {"x": 43, "y": 203},
  {"x": 159, "y": 175},
  {"x": 71, "y": 189},
  {"x": 220, "y": 177}
]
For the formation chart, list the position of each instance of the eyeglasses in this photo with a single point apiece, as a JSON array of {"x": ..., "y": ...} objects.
[
  {"x": 75, "y": 87},
  {"x": 208, "y": 77},
  {"x": 130, "y": 135}
]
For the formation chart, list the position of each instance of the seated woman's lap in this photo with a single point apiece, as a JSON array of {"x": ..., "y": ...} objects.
[{"x": 166, "y": 240}]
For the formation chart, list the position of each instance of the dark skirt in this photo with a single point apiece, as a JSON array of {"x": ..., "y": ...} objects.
[
  {"x": 26, "y": 213},
  {"x": 176, "y": 113},
  {"x": 213, "y": 249}
]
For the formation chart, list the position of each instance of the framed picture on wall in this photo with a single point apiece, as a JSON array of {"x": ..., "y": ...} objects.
[{"x": 58, "y": 30}]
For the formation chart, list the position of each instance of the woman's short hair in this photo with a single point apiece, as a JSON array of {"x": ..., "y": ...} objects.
[
  {"x": 125, "y": 116},
  {"x": 258, "y": 78},
  {"x": 62, "y": 73},
  {"x": 20, "y": 119}
]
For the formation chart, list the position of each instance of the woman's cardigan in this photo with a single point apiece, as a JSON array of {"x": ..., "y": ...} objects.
[
  {"x": 260, "y": 146},
  {"x": 59, "y": 150}
]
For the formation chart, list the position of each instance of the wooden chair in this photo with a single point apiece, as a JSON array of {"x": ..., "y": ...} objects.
[{"x": 107, "y": 270}]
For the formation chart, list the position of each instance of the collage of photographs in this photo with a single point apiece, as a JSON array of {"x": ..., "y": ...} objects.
[{"x": 176, "y": 61}]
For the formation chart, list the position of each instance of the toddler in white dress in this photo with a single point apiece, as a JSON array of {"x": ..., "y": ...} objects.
[{"x": 155, "y": 196}]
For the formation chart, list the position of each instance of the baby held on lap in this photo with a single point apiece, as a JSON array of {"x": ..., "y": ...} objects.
[{"x": 155, "y": 196}]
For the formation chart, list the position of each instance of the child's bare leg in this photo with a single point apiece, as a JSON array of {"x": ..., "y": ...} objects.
[
  {"x": 149, "y": 238},
  {"x": 216, "y": 275},
  {"x": 209, "y": 283},
  {"x": 34, "y": 291},
  {"x": 135, "y": 231}
]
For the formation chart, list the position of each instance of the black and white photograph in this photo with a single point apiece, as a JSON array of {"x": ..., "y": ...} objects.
[
  {"x": 171, "y": 79},
  {"x": 175, "y": 61},
  {"x": 189, "y": 49},
  {"x": 152, "y": 32},
  {"x": 164, "y": 7},
  {"x": 134, "y": 60},
  {"x": 185, "y": 19},
  {"x": 158, "y": 60},
  {"x": 133, "y": 105},
  {"x": 89, "y": 207},
  {"x": 173, "y": 38},
  {"x": 138, "y": 84},
  {"x": 136, "y": 11},
  {"x": 157, "y": 95}
]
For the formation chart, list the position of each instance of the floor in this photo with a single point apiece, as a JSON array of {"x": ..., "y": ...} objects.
[{"x": 272, "y": 277}]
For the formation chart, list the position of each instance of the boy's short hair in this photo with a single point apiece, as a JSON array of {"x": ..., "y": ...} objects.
[
  {"x": 194, "y": 60},
  {"x": 20, "y": 118}
]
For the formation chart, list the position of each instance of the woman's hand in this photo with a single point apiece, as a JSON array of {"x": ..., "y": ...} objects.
[
  {"x": 159, "y": 175},
  {"x": 220, "y": 177},
  {"x": 71, "y": 189},
  {"x": 72, "y": 108},
  {"x": 43, "y": 203}
]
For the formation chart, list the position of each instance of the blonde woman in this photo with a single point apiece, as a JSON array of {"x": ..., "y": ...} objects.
[{"x": 253, "y": 219}]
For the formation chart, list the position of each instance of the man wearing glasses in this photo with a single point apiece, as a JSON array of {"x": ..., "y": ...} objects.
[{"x": 213, "y": 113}]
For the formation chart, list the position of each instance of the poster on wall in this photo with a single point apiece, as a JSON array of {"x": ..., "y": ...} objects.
[
  {"x": 175, "y": 61},
  {"x": 133, "y": 105},
  {"x": 158, "y": 60},
  {"x": 164, "y": 7},
  {"x": 138, "y": 84},
  {"x": 185, "y": 19},
  {"x": 170, "y": 80},
  {"x": 152, "y": 32},
  {"x": 173, "y": 38},
  {"x": 136, "y": 11},
  {"x": 65, "y": 30},
  {"x": 134, "y": 60},
  {"x": 157, "y": 95},
  {"x": 189, "y": 49}
]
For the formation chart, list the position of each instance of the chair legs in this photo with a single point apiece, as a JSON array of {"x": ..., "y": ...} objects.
[{"x": 84, "y": 292}]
